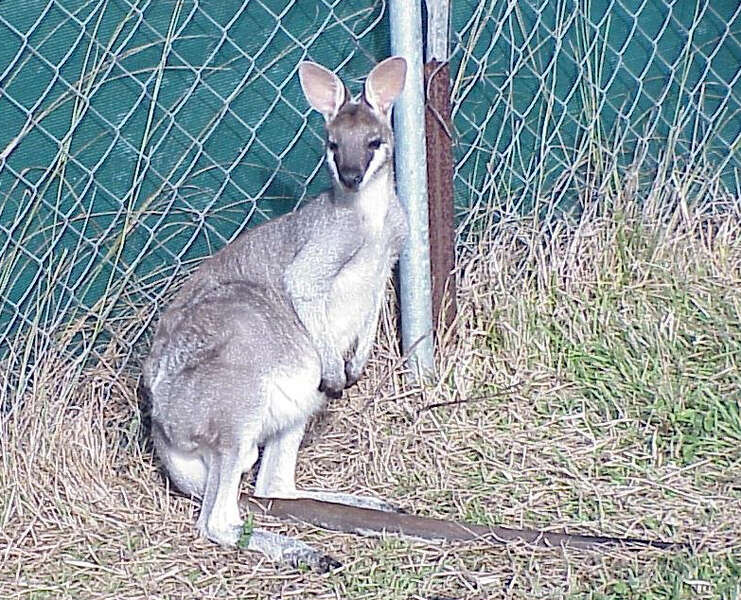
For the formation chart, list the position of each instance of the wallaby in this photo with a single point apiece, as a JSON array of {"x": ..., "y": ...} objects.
[{"x": 278, "y": 320}]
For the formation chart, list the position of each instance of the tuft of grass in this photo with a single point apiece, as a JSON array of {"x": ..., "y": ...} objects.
[
  {"x": 683, "y": 576},
  {"x": 247, "y": 528},
  {"x": 649, "y": 334}
]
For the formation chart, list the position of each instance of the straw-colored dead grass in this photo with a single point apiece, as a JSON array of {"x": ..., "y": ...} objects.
[{"x": 595, "y": 365}]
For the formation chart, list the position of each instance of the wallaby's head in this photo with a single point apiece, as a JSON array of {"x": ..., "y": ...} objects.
[{"x": 360, "y": 142}]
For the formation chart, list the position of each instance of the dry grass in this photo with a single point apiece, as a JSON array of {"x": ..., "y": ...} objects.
[{"x": 595, "y": 363}]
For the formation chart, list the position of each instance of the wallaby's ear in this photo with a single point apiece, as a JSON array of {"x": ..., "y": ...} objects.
[
  {"x": 384, "y": 83},
  {"x": 322, "y": 88}
]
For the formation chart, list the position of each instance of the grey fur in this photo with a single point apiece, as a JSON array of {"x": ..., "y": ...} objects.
[{"x": 286, "y": 314}]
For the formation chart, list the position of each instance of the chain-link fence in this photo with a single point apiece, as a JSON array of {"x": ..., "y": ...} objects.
[
  {"x": 139, "y": 136},
  {"x": 545, "y": 93}
]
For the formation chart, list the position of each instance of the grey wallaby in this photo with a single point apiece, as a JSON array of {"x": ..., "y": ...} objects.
[{"x": 281, "y": 318}]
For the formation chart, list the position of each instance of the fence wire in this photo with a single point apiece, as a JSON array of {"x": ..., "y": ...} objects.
[
  {"x": 546, "y": 92},
  {"x": 139, "y": 136}
]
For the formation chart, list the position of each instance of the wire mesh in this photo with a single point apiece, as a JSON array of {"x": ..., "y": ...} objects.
[
  {"x": 545, "y": 93},
  {"x": 140, "y": 136}
]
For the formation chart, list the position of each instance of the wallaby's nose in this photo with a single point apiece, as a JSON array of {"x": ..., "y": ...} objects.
[{"x": 351, "y": 178}]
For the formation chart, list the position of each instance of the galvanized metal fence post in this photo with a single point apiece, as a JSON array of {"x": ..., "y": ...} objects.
[{"x": 411, "y": 179}]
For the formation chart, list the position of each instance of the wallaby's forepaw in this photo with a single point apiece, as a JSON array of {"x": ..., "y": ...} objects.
[
  {"x": 286, "y": 550},
  {"x": 329, "y": 390},
  {"x": 352, "y": 374}
]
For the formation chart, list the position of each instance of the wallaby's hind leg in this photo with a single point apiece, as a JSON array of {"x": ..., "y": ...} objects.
[
  {"x": 186, "y": 470},
  {"x": 349, "y": 500},
  {"x": 216, "y": 481},
  {"x": 214, "y": 477},
  {"x": 276, "y": 478},
  {"x": 219, "y": 519}
]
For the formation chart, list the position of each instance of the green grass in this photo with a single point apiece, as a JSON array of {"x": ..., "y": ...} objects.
[
  {"x": 665, "y": 354},
  {"x": 629, "y": 354},
  {"x": 681, "y": 577}
]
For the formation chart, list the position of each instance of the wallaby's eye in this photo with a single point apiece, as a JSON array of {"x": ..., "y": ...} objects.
[
  {"x": 332, "y": 146},
  {"x": 374, "y": 144}
]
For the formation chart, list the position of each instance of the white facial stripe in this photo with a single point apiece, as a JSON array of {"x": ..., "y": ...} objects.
[
  {"x": 332, "y": 165},
  {"x": 379, "y": 158}
]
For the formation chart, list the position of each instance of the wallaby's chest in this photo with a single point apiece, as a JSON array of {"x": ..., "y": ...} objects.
[
  {"x": 356, "y": 292},
  {"x": 366, "y": 271},
  {"x": 384, "y": 229}
]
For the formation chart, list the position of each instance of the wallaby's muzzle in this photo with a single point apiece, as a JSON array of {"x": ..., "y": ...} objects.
[
  {"x": 351, "y": 178},
  {"x": 351, "y": 156}
]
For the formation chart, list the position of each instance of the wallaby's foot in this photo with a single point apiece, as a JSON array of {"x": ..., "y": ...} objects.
[
  {"x": 225, "y": 534},
  {"x": 350, "y": 500},
  {"x": 278, "y": 548},
  {"x": 286, "y": 550}
]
